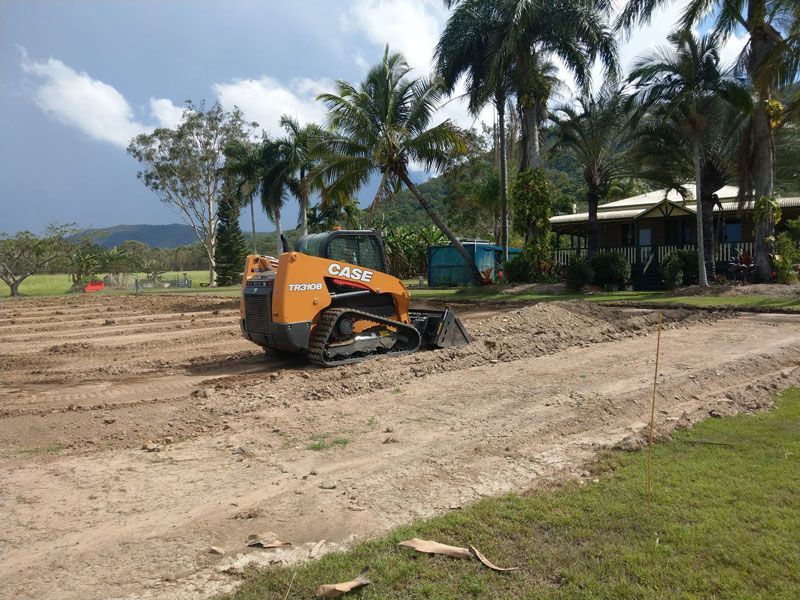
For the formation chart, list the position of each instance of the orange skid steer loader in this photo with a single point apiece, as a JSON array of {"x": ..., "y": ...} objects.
[{"x": 332, "y": 300}]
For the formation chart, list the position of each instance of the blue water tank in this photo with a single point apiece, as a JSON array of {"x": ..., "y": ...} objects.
[{"x": 447, "y": 267}]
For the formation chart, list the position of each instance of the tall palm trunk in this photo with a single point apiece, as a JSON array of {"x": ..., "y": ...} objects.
[
  {"x": 593, "y": 197},
  {"x": 709, "y": 239},
  {"x": 303, "y": 202},
  {"x": 698, "y": 194},
  {"x": 278, "y": 230},
  {"x": 763, "y": 156},
  {"x": 500, "y": 103},
  {"x": 477, "y": 278},
  {"x": 529, "y": 106},
  {"x": 253, "y": 223},
  {"x": 530, "y": 133}
]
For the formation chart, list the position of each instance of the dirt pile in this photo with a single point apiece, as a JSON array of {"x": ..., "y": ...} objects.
[
  {"x": 531, "y": 331},
  {"x": 773, "y": 290}
]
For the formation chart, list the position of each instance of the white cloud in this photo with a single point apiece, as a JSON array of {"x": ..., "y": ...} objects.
[
  {"x": 408, "y": 26},
  {"x": 76, "y": 99},
  {"x": 165, "y": 112},
  {"x": 264, "y": 100},
  {"x": 731, "y": 49}
]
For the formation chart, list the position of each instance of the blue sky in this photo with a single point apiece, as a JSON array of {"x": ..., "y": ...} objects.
[{"x": 80, "y": 77}]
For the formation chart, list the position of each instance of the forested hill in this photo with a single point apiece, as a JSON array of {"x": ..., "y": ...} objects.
[{"x": 155, "y": 236}]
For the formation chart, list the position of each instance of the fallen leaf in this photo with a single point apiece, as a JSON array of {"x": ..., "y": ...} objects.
[
  {"x": 265, "y": 540},
  {"x": 488, "y": 563},
  {"x": 334, "y": 590},
  {"x": 432, "y": 547}
]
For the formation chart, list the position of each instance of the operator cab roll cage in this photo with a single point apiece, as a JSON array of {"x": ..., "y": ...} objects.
[{"x": 344, "y": 245}]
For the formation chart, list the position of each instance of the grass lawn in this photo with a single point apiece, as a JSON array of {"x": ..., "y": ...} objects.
[
  {"x": 725, "y": 524},
  {"x": 57, "y": 284}
]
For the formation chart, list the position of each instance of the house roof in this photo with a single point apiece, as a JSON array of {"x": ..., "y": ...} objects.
[{"x": 661, "y": 202}]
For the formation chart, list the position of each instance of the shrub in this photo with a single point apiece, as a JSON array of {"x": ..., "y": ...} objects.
[
  {"x": 786, "y": 258},
  {"x": 531, "y": 198},
  {"x": 683, "y": 261},
  {"x": 611, "y": 270},
  {"x": 517, "y": 269},
  {"x": 672, "y": 273},
  {"x": 578, "y": 274},
  {"x": 687, "y": 260}
]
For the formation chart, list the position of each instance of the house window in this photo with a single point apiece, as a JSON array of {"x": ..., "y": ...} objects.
[
  {"x": 627, "y": 239},
  {"x": 733, "y": 232}
]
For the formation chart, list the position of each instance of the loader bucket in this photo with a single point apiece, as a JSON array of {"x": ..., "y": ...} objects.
[{"x": 440, "y": 329}]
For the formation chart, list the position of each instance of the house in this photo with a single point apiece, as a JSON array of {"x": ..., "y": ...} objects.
[{"x": 647, "y": 227}]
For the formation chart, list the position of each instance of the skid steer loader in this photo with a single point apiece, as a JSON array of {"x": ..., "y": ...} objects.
[{"x": 332, "y": 300}]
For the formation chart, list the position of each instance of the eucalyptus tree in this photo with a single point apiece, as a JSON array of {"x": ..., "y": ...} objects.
[
  {"x": 682, "y": 82},
  {"x": 184, "y": 167},
  {"x": 771, "y": 60},
  {"x": 467, "y": 48},
  {"x": 596, "y": 130},
  {"x": 382, "y": 126}
]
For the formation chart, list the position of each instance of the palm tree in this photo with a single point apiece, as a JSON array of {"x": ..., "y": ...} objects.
[
  {"x": 681, "y": 82},
  {"x": 771, "y": 60},
  {"x": 466, "y": 48},
  {"x": 662, "y": 153},
  {"x": 596, "y": 131},
  {"x": 241, "y": 166},
  {"x": 299, "y": 147},
  {"x": 263, "y": 169},
  {"x": 381, "y": 126},
  {"x": 575, "y": 31}
]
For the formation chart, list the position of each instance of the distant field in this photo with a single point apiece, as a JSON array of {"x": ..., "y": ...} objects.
[{"x": 53, "y": 285}]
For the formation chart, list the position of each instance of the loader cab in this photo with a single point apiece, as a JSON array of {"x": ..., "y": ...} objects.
[{"x": 359, "y": 247}]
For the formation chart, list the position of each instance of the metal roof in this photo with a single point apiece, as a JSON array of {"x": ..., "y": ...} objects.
[
  {"x": 633, "y": 213},
  {"x": 652, "y": 198}
]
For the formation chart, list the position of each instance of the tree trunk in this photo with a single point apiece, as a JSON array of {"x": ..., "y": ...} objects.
[
  {"x": 763, "y": 184},
  {"x": 212, "y": 261},
  {"x": 529, "y": 107},
  {"x": 303, "y": 203},
  {"x": 211, "y": 242},
  {"x": 253, "y": 223},
  {"x": 278, "y": 231},
  {"x": 763, "y": 155},
  {"x": 708, "y": 236},
  {"x": 477, "y": 278},
  {"x": 593, "y": 197},
  {"x": 500, "y": 102},
  {"x": 530, "y": 129},
  {"x": 14, "y": 285},
  {"x": 698, "y": 194}
]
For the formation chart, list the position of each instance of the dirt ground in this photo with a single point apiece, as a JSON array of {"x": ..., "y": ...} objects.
[{"x": 139, "y": 432}]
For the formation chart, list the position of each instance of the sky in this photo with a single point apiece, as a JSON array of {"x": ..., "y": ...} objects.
[{"x": 80, "y": 78}]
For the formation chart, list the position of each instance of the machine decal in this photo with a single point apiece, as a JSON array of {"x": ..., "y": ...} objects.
[
  {"x": 356, "y": 273},
  {"x": 304, "y": 287}
]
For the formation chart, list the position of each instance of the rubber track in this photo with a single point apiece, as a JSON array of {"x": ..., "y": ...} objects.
[{"x": 318, "y": 342}]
